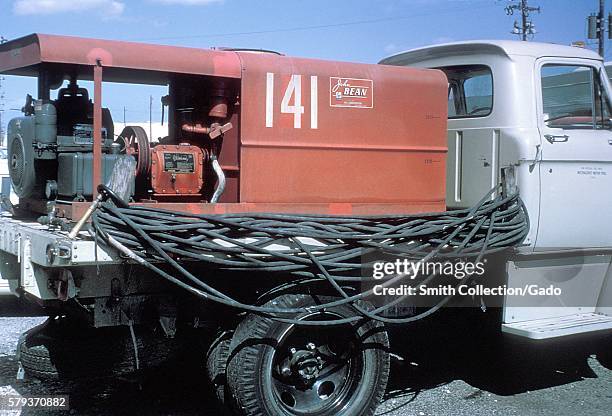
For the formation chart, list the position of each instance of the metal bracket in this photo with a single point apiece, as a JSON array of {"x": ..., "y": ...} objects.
[
  {"x": 536, "y": 158},
  {"x": 28, "y": 280}
]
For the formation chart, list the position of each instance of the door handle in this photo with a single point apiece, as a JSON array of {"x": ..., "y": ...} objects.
[{"x": 556, "y": 139}]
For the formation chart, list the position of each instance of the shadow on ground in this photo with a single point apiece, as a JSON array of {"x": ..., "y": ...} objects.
[
  {"x": 176, "y": 388},
  {"x": 434, "y": 354},
  {"x": 12, "y": 306}
]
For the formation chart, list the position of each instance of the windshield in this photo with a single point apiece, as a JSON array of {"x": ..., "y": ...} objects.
[{"x": 573, "y": 97}]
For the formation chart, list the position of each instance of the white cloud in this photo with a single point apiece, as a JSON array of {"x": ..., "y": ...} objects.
[
  {"x": 30, "y": 7},
  {"x": 189, "y": 2}
]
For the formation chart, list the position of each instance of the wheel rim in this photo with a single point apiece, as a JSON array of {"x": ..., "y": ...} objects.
[{"x": 314, "y": 374}]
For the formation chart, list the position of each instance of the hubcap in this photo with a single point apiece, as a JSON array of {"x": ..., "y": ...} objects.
[{"x": 315, "y": 372}]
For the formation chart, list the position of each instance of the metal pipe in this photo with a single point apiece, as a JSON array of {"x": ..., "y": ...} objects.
[
  {"x": 79, "y": 225},
  {"x": 195, "y": 128},
  {"x": 215, "y": 130},
  {"x": 97, "y": 127},
  {"x": 221, "y": 180}
]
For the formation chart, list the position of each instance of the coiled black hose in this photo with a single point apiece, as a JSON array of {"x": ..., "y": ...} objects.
[{"x": 325, "y": 248}]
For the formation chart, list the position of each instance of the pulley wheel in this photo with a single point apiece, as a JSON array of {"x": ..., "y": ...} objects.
[{"x": 136, "y": 143}]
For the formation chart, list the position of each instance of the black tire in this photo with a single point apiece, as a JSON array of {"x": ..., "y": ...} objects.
[
  {"x": 349, "y": 379},
  {"x": 62, "y": 349},
  {"x": 216, "y": 364},
  {"x": 36, "y": 362}
]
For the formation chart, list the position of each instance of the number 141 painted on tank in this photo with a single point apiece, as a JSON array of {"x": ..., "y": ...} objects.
[{"x": 294, "y": 89}]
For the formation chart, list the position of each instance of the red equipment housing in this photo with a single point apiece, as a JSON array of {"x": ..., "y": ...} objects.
[{"x": 306, "y": 136}]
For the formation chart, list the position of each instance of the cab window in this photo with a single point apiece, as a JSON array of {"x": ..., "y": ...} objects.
[
  {"x": 470, "y": 90},
  {"x": 573, "y": 97}
]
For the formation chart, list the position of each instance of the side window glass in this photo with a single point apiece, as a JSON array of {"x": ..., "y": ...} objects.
[
  {"x": 478, "y": 92},
  {"x": 567, "y": 96},
  {"x": 603, "y": 113},
  {"x": 470, "y": 92},
  {"x": 573, "y": 97}
]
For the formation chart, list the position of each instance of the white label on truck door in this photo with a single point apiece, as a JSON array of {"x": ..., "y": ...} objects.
[{"x": 593, "y": 172}]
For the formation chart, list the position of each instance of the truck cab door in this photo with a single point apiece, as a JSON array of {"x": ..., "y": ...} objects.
[{"x": 576, "y": 157}]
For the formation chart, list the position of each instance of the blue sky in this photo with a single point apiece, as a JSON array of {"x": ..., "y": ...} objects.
[{"x": 358, "y": 30}]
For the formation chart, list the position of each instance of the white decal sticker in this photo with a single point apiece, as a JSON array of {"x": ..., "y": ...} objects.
[{"x": 351, "y": 92}]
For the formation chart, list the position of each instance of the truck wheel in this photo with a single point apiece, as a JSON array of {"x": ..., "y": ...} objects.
[
  {"x": 36, "y": 361},
  {"x": 36, "y": 348},
  {"x": 216, "y": 364},
  {"x": 60, "y": 348},
  {"x": 283, "y": 369}
]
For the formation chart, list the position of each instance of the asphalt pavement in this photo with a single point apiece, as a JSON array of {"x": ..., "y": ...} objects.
[{"x": 436, "y": 370}]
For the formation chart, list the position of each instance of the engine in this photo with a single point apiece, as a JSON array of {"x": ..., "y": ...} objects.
[
  {"x": 51, "y": 150},
  {"x": 50, "y": 147}
]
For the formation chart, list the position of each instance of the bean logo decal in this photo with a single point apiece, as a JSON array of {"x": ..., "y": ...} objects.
[{"x": 351, "y": 92}]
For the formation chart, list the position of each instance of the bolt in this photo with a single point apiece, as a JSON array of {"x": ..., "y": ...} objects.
[
  {"x": 310, "y": 346},
  {"x": 286, "y": 371},
  {"x": 292, "y": 351}
]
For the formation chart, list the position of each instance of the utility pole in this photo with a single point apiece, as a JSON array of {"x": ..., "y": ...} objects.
[
  {"x": 2, "y": 40},
  {"x": 596, "y": 27},
  {"x": 600, "y": 17},
  {"x": 123, "y": 116},
  {"x": 150, "y": 117},
  {"x": 527, "y": 27},
  {"x": 1, "y": 112}
]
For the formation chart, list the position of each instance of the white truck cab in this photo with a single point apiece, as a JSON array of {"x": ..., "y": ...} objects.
[{"x": 544, "y": 109}]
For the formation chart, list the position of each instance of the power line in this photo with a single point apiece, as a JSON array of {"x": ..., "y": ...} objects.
[
  {"x": 526, "y": 27},
  {"x": 315, "y": 27},
  {"x": 312, "y": 27}
]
